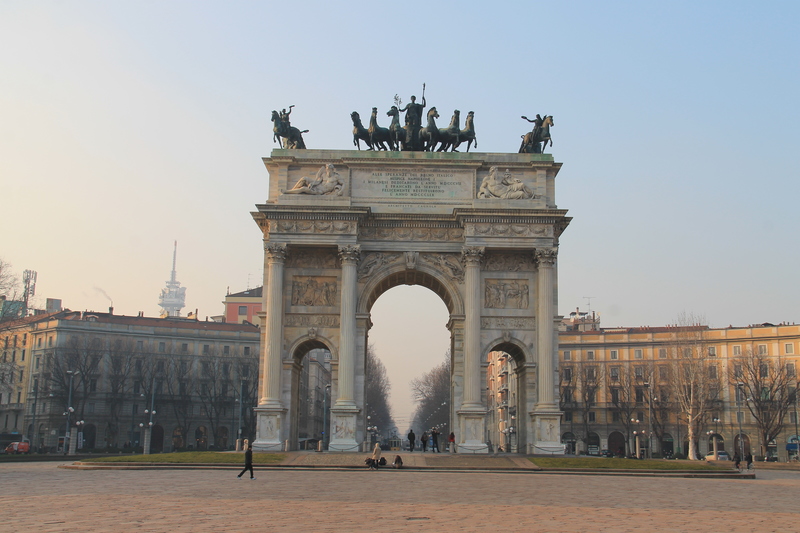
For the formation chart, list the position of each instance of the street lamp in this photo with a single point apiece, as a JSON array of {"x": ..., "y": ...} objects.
[
  {"x": 636, "y": 435},
  {"x": 79, "y": 426},
  {"x": 649, "y": 421},
  {"x": 325, "y": 415},
  {"x": 149, "y": 428},
  {"x": 68, "y": 447},
  {"x": 739, "y": 416}
]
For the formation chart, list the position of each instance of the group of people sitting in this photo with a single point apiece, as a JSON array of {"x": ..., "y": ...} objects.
[{"x": 375, "y": 460}]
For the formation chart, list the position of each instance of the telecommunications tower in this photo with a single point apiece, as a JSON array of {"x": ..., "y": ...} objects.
[{"x": 173, "y": 296}]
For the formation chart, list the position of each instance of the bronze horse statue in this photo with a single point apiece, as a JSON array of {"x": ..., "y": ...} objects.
[
  {"x": 429, "y": 135},
  {"x": 397, "y": 133},
  {"x": 530, "y": 141},
  {"x": 293, "y": 136},
  {"x": 360, "y": 133},
  {"x": 449, "y": 136},
  {"x": 377, "y": 135},
  {"x": 468, "y": 133}
]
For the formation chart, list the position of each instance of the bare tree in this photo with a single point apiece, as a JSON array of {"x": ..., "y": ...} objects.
[
  {"x": 77, "y": 363},
  {"x": 377, "y": 388},
  {"x": 214, "y": 387},
  {"x": 694, "y": 377},
  {"x": 180, "y": 386},
  {"x": 121, "y": 354},
  {"x": 768, "y": 386},
  {"x": 626, "y": 393},
  {"x": 588, "y": 379},
  {"x": 10, "y": 290},
  {"x": 247, "y": 383},
  {"x": 432, "y": 393}
]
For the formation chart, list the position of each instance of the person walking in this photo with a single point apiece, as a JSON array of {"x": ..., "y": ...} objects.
[
  {"x": 424, "y": 441},
  {"x": 451, "y": 442},
  {"x": 248, "y": 461},
  {"x": 411, "y": 439},
  {"x": 749, "y": 460},
  {"x": 737, "y": 461},
  {"x": 435, "y": 441}
]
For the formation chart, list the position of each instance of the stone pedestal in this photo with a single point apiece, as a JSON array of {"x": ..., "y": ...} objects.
[
  {"x": 269, "y": 423},
  {"x": 546, "y": 440},
  {"x": 472, "y": 426},
  {"x": 343, "y": 430}
]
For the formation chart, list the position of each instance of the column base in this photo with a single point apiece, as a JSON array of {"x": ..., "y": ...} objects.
[
  {"x": 343, "y": 430},
  {"x": 472, "y": 428},
  {"x": 268, "y": 429},
  {"x": 547, "y": 432}
]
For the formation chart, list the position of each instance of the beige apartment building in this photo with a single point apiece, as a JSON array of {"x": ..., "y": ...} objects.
[{"x": 618, "y": 388}]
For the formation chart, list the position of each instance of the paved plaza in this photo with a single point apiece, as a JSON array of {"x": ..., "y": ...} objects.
[{"x": 43, "y": 498}]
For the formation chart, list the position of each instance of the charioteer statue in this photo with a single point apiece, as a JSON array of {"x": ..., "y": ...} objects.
[
  {"x": 283, "y": 129},
  {"x": 413, "y": 112}
]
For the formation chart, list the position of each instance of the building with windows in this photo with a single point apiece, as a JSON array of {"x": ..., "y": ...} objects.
[
  {"x": 186, "y": 383},
  {"x": 243, "y": 306},
  {"x": 625, "y": 389}
]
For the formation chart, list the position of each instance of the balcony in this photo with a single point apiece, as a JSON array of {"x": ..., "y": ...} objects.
[{"x": 12, "y": 407}]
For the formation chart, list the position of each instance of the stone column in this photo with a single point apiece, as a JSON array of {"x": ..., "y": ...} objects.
[
  {"x": 544, "y": 327},
  {"x": 472, "y": 414},
  {"x": 270, "y": 411},
  {"x": 271, "y": 374},
  {"x": 546, "y": 416},
  {"x": 344, "y": 410}
]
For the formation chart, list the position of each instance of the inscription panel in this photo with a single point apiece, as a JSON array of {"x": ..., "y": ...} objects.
[{"x": 403, "y": 188}]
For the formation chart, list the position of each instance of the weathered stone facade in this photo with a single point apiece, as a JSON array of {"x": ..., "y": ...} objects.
[{"x": 480, "y": 230}]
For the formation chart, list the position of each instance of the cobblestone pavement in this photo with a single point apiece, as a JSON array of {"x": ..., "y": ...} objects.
[{"x": 40, "y": 497}]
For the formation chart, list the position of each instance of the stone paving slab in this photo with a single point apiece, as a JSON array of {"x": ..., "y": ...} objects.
[{"x": 47, "y": 499}]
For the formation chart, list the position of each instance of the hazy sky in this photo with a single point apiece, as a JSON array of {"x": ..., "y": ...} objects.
[{"x": 127, "y": 125}]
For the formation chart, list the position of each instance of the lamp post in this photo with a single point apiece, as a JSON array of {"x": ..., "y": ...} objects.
[
  {"x": 325, "y": 416},
  {"x": 796, "y": 433},
  {"x": 649, "y": 421},
  {"x": 68, "y": 447},
  {"x": 739, "y": 416},
  {"x": 149, "y": 429},
  {"x": 636, "y": 435},
  {"x": 79, "y": 429},
  {"x": 34, "y": 442},
  {"x": 239, "y": 427}
]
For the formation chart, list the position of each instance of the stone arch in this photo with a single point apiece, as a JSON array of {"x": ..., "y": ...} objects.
[
  {"x": 423, "y": 275},
  {"x": 294, "y": 396},
  {"x": 506, "y": 400}
]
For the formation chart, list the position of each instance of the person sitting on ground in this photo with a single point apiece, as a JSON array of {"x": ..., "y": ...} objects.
[{"x": 398, "y": 462}]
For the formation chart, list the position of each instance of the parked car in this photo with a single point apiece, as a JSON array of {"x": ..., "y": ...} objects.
[
  {"x": 606, "y": 453},
  {"x": 19, "y": 447},
  {"x": 722, "y": 455}
]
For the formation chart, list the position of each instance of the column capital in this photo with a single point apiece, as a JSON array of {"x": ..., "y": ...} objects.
[
  {"x": 546, "y": 256},
  {"x": 473, "y": 255},
  {"x": 350, "y": 253},
  {"x": 275, "y": 251}
]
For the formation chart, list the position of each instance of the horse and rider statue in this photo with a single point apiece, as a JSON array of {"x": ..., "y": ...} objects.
[
  {"x": 283, "y": 129},
  {"x": 535, "y": 141}
]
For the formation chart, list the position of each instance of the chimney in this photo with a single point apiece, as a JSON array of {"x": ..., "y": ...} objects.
[{"x": 110, "y": 310}]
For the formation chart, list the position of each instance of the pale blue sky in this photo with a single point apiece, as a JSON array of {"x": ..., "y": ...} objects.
[{"x": 126, "y": 125}]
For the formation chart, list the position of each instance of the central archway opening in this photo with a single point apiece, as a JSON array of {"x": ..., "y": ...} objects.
[{"x": 409, "y": 336}]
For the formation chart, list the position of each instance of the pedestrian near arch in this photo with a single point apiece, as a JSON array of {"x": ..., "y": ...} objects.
[{"x": 248, "y": 461}]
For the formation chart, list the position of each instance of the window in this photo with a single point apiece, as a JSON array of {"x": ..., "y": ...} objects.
[
  {"x": 614, "y": 354},
  {"x": 245, "y": 371},
  {"x": 591, "y": 416},
  {"x": 184, "y": 367},
  {"x": 185, "y": 347},
  {"x": 790, "y": 370},
  {"x": 793, "y": 417},
  {"x": 23, "y": 355},
  {"x": 788, "y": 348},
  {"x": 590, "y": 373},
  {"x": 39, "y": 342},
  {"x": 136, "y": 387},
  {"x": 13, "y": 356},
  {"x": 206, "y": 349},
  {"x": 663, "y": 372},
  {"x": 763, "y": 370},
  {"x": 182, "y": 388},
  {"x": 615, "y": 416},
  {"x": 737, "y": 370},
  {"x": 740, "y": 417},
  {"x": 162, "y": 347},
  {"x": 50, "y": 340},
  {"x": 90, "y": 408},
  {"x": 590, "y": 355},
  {"x": 638, "y": 371},
  {"x": 762, "y": 349},
  {"x": 614, "y": 373},
  {"x": 712, "y": 372},
  {"x": 639, "y": 395},
  {"x": 567, "y": 372},
  {"x": 568, "y": 416},
  {"x": 637, "y": 354},
  {"x": 640, "y": 415},
  {"x": 567, "y": 355},
  {"x": 37, "y": 363},
  {"x": 160, "y": 367},
  {"x": 590, "y": 396},
  {"x": 246, "y": 350},
  {"x": 662, "y": 353},
  {"x": 93, "y": 385},
  {"x": 737, "y": 350},
  {"x": 135, "y": 409},
  {"x": 242, "y": 309},
  {"x": 21, "y": 373},
  {"x": 739, "y": 395},
  {"x": 226, "y": 350},
  {"x": 567, "y": 393},
  {"x": 712, "y": 351},
  {"x": 687, "y": 352},
  {"x": 615, "y": 396},
  {"x": 140, "y": 346},
  {"x": 19, "y": 400}
]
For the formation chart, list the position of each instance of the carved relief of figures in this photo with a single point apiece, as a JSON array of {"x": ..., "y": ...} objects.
[
  {"x": 509, "y": 230},
  {"x": 473, "y": 429},
  {"x": 501, "y": 294},
  {"x": 342, "y": 429},
  {"x": 312, "y": 259},
  {"x": 509, "y": 262},
  {"x": 327, "y": 181},
  {"x": 507, "y": 187},
  {"x": 312, "y": 226},
  {"x": 407, "y": 234},
  {"x": 314, "y": 291},
  {"x": 373, "y": 261},
  {"x": 449, "y": 263}
]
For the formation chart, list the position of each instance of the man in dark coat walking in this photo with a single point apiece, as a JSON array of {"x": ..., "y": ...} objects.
[
  {"x": 411, "y": 439},
  {"x": 248, "y": 462}
]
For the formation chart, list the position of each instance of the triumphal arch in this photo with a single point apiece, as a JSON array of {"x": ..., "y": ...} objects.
[{"x": 480, "y": 230}]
